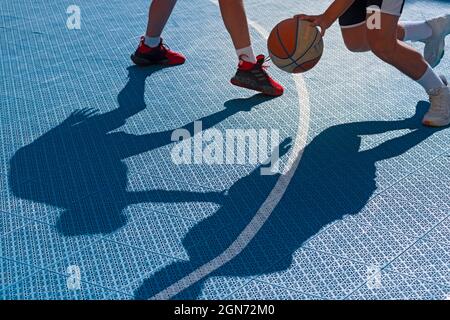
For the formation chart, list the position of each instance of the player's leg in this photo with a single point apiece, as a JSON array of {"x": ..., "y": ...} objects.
[
  {"x": 234, "y": 18},
  {"x": 251, "y": 73},
  {"x": 355, "y": 38},
  {"x": 384, "y": 43},
  {"x": 158, "y": 15},
  {"x": 151, "y": 49},
  {"x": 353, "y": 27},
  {"x": 431, "y": 32}
]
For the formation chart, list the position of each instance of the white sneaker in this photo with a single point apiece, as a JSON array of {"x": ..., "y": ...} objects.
[
  {"x": 435, "y": 45},
  {"x": 439, "y": 113}
]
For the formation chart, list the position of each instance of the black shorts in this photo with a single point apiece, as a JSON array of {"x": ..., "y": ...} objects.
[{"x": 357, "y": 13}]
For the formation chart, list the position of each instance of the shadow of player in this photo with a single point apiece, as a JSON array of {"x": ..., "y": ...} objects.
[
  {"x": 77, "y": 166},
  {"x": 334, "y": 178}
]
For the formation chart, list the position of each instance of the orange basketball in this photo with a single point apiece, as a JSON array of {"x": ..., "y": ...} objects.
[{"x": 295, "y": 46}]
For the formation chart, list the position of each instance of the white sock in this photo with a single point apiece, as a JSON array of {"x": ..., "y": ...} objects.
[
  {"x": 416, "y": 30},
  {"x": 246, "y": 54},
  {"x": 152, "y": 42},
  {"x": 430, "y": 80}
]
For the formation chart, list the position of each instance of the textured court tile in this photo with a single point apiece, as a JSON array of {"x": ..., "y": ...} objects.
[
  {"x": 15, "y": 110},
  {"x": 402, "y": 152},
  {"x": 422, "y": 189},
  {"x": 12, "y": 272},
  {"x": 6, "y": 151},
  {"x": 257, "y": 290},
  {"x": 4, "y": 182},
  {"x": 391, "y": 171},
  {"x": 28, "y": 209},
  {"x": 158, "y": 233},
  {"x": 374, "y": 139},
  {"x": 12, "y": 204},
  {"x": 119, "y": 296},
  {"x": 318, "y": 274},
  {"x": 46, "y": 285},
  {"x": 18, "y": 133},
  {"x": 221, "y": 287},
  {"x": 215, "y": 177},
  {"x": 40, "y": 245},
  {"x": 441, "y": 233},
  {"x": 9, "y": 223},
  {"x": 426, "y": 260},
  {"x": 114, "y": 266},
  {"x": 416, "y": 150},
  {"x": 200, "y": 175},
  {"x": 360, "y": 242},
  {"x": 356, "y": 102},
  {"x": 394, "y": 286},
  {"x": 439, "y": 168},
  {"x": 398, "y": 216},
  {"x": 68, "y": 70}
]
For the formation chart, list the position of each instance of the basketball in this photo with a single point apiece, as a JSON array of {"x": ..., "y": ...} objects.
[{"x": 295, "y": 46}]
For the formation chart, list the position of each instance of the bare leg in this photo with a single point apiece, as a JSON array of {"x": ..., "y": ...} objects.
[
  {"x": 400, "y": 32},
  {"x": 235, "y": 19},
  {"x": 384, "y": 43},
  {"x": 158, "y": 16},
  {"x": 355, "y": 38}
]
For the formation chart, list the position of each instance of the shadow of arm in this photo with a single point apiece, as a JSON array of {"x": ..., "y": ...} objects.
[
  {"x": 378, "y": 127},
  {"x": 398, "y": 146},
  {"x": 164, "y": 196}
]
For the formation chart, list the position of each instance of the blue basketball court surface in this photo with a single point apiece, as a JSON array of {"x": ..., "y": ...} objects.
[{"x": 101, "y": 211}]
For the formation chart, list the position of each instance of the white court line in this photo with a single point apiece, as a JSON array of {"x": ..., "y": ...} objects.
[{"x": 264, "y": 212}]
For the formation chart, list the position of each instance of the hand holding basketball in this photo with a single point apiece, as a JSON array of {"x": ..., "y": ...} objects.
[
  {"x": 295, "y": 45},
  {"x": 320, "y": 21}
]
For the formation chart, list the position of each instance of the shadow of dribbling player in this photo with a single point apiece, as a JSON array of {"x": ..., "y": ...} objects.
[
  {"x": 334, "y": 178},
  {"x": 78, "y": 165}
]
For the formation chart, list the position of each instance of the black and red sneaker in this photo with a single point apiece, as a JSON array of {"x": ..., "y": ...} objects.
[
  {"x": 146, "y": 56},
  {"x": 254, "y": 76}
]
